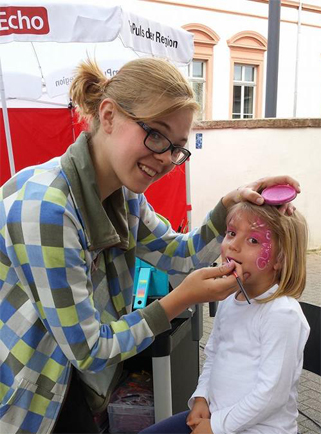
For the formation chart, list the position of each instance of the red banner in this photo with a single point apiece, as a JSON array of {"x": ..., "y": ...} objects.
[
  {"x": 41, "y": 134},
  {"x": 23, "y": 20}
]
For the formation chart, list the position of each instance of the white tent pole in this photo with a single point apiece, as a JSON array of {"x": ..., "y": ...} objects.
[
  {"x": 6, "y": 123},
  {"x": 39, "y": 66}
]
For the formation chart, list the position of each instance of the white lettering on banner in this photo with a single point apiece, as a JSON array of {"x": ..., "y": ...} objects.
[
  {"x": 21, "y": 20},
  {"x": 3, "y": 21},
  {"x": 66, "y": 81},
  {"x": 110, "y": 72},
  {"x": 148, "y": 34}
]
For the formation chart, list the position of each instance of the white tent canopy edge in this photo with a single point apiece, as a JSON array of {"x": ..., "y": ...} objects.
[{"x": 45, "y": 22}]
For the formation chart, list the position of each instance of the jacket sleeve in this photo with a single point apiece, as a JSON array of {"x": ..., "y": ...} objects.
[
  {"x": 45, "y": 244},
  {"x": 161, "y": 246}
]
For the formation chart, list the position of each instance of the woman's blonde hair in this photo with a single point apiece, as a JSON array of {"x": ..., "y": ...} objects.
[
  {"x": 144, "y": 89},
  {"x": 291, "y": 236}
]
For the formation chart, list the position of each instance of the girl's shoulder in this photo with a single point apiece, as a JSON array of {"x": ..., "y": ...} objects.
[
  {"x": 284, "y": 307},
  {"x": 282, "y": 303}
]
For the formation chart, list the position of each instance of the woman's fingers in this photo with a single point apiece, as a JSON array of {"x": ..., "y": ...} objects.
[
  {"x": 287, "y": 208},
  {"x": 217, "y": 283},
  {"x": 201, "y": 286},
  {"x": 222, "y": 270},
  {"x": 268, "y": 181},
  {"x": 250, "y": 192}
]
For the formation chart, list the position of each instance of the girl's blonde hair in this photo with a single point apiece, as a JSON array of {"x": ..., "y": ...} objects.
[
  {"x": 291, "y": 236},
  {"x": 144, "y": 89}
]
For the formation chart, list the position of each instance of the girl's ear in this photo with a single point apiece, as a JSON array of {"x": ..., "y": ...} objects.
[
  {"x": 107, "y": 111},
  {"x": 279, "y": 263}
]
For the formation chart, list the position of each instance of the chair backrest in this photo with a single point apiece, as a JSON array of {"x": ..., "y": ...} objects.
[{"x": 312, "y": 351}]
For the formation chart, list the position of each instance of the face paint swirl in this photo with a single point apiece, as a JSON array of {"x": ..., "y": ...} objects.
[{"x": 265, "y": 255}]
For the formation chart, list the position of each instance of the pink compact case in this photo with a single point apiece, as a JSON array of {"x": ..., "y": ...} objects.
[{"x": 278, "y": 194}]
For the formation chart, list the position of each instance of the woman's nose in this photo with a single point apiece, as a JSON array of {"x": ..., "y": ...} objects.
[{"x": 165, "y": 158}]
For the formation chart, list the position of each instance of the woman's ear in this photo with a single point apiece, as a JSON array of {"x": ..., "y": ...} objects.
[{"x": 107, "y": 112}]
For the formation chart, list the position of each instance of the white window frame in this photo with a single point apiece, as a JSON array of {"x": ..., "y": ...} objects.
[
  {"x": 202, "y": 80},
  {"x": 244, "y": 83}
]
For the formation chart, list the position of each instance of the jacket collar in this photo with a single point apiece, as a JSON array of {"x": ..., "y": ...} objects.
[{"x": 105, "y": 223}]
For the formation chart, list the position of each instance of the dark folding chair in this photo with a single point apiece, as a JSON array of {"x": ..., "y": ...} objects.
[{"x": 312, "y": 351}]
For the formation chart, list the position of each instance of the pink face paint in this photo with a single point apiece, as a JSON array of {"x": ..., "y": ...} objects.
[
  {"x": 263, "y": 261},
  {"x": 265, "y": 255}
]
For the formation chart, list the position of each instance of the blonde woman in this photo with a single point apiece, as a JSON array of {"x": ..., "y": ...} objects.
[
  {"x": 254, "y": 354},
  {"x": 70, "y": 230}
]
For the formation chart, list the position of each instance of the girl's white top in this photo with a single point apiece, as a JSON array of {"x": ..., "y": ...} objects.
[{"x": 254, "y": 361}]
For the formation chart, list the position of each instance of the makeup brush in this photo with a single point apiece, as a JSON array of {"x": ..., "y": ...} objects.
[{"x": 240, "y": 283}]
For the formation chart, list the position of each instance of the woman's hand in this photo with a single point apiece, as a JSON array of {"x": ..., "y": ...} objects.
[
  {"x": 200, "y": 410},
  {"x": 250, "y": 193},
  {"x": 203, "y": 285}
]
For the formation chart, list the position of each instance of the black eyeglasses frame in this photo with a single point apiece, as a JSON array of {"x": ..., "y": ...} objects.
[{"x": 170, "y": 147}]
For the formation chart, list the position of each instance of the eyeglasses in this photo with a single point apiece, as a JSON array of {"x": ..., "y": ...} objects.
[{"x": 160, "y": 144}]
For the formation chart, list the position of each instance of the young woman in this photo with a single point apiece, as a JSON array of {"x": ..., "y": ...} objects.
[
  {"x": 255, "y": 351},
  {"x": 70, "y": 230}
]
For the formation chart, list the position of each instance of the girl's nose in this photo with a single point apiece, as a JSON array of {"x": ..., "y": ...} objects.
[{"x": 235, "y": 244}]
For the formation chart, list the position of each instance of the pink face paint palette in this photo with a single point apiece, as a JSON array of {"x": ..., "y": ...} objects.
[{"x": 278, "y": 194}]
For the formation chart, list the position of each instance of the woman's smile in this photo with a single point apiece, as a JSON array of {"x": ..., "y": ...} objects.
[{"x": 147, "y": 170}]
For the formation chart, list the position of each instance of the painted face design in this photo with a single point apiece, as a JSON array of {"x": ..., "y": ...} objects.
[
  {"x": 250, "y": 242},
  {"x": 265, "y": 237}
]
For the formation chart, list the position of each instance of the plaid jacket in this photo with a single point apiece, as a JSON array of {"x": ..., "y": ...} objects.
[{"x": 66, "y": 281}]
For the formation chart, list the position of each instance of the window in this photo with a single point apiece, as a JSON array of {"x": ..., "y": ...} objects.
[
  {"x": 200, "y": 71},
  {"x": 243, "y": 91},
  {"x": 197, "y": 78},
  {"x": 246, "y": 77}
]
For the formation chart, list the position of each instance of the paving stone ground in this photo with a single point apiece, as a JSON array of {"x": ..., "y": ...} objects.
[{"x": 310, "y": 384}]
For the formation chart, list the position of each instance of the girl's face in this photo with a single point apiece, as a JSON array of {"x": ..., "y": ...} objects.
[
  {"x": 130, "y": 162},
  {"x": 250, "y": 242}
]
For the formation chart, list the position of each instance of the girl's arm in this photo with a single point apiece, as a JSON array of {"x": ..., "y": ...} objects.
[
  {"x": 210, "y": 350},
  {"x": 283, "y": 336},
  {"x": 199, "y": 401}
]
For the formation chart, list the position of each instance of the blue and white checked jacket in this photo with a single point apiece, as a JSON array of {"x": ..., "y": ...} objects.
[{"x": 66, "y": 281}]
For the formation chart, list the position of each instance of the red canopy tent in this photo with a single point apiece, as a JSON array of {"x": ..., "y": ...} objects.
[{"x": 39, "y": 134}]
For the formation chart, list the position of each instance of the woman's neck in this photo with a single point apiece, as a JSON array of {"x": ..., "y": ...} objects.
[{"x": 106, "y": 180}]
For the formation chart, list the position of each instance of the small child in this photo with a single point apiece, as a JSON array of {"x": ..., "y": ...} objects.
[{"x": 255, "y": 351}]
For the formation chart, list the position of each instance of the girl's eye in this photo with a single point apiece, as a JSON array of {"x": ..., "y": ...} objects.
[
  {"x": 253, "y": 241},
  {"x": 230, "y": 233}
]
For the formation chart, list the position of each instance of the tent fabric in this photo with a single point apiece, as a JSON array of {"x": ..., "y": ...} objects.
[
  {"x": 62, "y": 34},
  {"x": 47, "y": 21},
  {"x": 39, "y": 134},
  {"x": 168, "y": 197}
]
